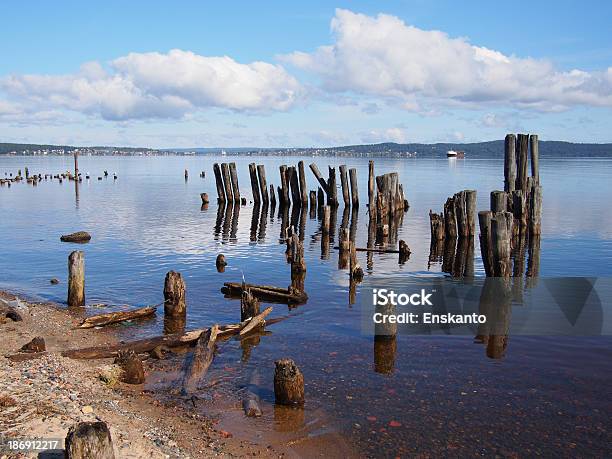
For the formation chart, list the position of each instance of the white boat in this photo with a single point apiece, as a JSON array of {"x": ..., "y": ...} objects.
[{"x": 451, "y": 154}]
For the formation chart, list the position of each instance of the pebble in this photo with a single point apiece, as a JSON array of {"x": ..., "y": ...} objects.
[{"x": 87, "y": 409}]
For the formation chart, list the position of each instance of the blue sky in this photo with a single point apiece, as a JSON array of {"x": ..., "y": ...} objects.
[{"x": 106, "y": 73}]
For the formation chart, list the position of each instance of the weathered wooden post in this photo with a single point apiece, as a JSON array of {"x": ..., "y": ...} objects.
[
  {"x": 501, "y": 234},
  {"x": 354, "y": 189},
  {"x": 186, "y": 174},
  {"x": 234, "y": 178},
  {"x": 486, "y": 245},
  {"x": 87, "y": 440},
  {"x": 470, "y": 205},
  {"x": 355, "y": 270},
  {"x": 132, "y": 371},
  {"x": 450, "y": 222},
  {"x": 219, "y": 183},
  {"x": 313, "y": 200},
  {"x": 499, "y": 201},
  {"x": 371, "y": 195},
  {"x": 227, "y": 183},
  {"x": 76, "y": 279},
  {"x": 345, "y": 185},
  {"x": 519, "y": 210},
  {"x": 332, "y": 195},
  {"x": 249, "y": 305},
  {"x": 296, "y": 196},
  {"x": 510, "y": 163},
  {"x": 288, "y": 383},
  {"x": 535, "y": 158},
  {"x": 254, "y": 183},
  {"x": 319, "y": 177},
  {"x": 535, "y": 210},
  {"x": 298, "y": 262},
  {"x": 76, "y": 163},
  {"x": 283, "y": 194},
  {"x": 404, "y": 251},
  {"x": 522, "y": 144},
  {"x": 326, "y": 219},
  {"x": 320, "y": 198},
  {"x": 303, "y": 189},
  {"x": 436, "y": 224},
  {"x": 263, "y": 185},
  {"x": 272, "y": 196},
  {"x": 344, "y": 247},
  {"x": 174, "y": 295}
]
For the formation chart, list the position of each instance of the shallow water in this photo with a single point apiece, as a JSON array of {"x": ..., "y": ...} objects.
[{"x": 438, "y": 394}]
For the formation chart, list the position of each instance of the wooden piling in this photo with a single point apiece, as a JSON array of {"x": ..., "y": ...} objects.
[
  {"x": 234, "y": 179},
  {"x": 174, "y": 295},
  {"x": 294, "y": 181},
  {"x": 355, "y": 270},
  {"x": 522, "y": 146},
  {"x": 499, "y": 201},
  {"x": 298, "y": 262},
  {"x": 319, "y": 177},
  {"x": 371, "y": 195},
  {"x": 219, "y": 182},
  {"x": 501, "y": 234},
  {"x": 313, "y": 200},
  {"x": 76, "y": 279},
  {"x": 436, "y": 223},
  {"x": 354, "y": 189},
  {"x": 450, "y": 221},
  {"x": 227, "y": 182},
  {"x": 76, "y": 163},
  {"x": 132, "y": 371},
  {"x": 288, "y": 383},
  {"x": 254, "y": 183},
  {"x": 470, "y": 205},
  {"x": 486, "y": 246},
  {"x": 320, "y": 198},
  {"x": 283, "y": 195},
  {"x": 303, "y": 188},
  {"x": 510, "y": 163},
  {"x": 461, "y": 214},
  {"x": 272, "y": 196},
  {"x": 535, "y": 210},
  {"x": 535, "y": 158},
  {"x": 345, "y": 185},
  {"x": 519, "y": 210},
  {"x": 249, "y": 305},
  {"x": 263, "y": 185},
  {"x": 332, "y": 194},
  {"x": 326, "y": 219}
]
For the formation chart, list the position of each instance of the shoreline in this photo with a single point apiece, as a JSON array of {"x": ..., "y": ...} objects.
[{"x": 43, "y": 396}]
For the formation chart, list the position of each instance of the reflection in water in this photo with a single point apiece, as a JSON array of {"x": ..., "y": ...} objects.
[
  {"x": 76, "y": 194},
  {"x": 263, "y": 222},
  {"x": 174, "y": 325},
  {"x": 288, "y": 418},
  {"x": 254, "y": 223},
  {"x": 219, "y": 219},
  {"x": 385, "y": 348},
  {"x": 496, "y": 305},
  {"x": 247, "y": 344}
]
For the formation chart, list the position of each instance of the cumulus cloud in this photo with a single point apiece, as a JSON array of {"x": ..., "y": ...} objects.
[
  {"x": 156, "y": 85},
  {"x": 394, "y": 134},
  {"x": 385, "y": 57}
]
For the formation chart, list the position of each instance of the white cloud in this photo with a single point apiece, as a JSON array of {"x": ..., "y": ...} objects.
[
  {"x": 155, "y": 85},
  {"x": 395, "y": 134},
  {"x": 384, "y": 57}
]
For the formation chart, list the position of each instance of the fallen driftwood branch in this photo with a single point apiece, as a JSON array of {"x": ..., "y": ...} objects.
[
  {"x": 148, "y": 344},
  {"x": 24, "y": 356},
  {"x": 265, "y": 293},
  {"x": 259, "y": 319},
  {"x": 116, "y": 317},
  {"x": 197, "y": 366}
]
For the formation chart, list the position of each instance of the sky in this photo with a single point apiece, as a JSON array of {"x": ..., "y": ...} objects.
[{"x": 302, "y": 74}]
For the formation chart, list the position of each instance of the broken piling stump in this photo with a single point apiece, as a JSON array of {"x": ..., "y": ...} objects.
[
  {"x": 132, "y": 371},
  {"x": 76, "y": 279},
  {"x": 249, "y": 305},
  {"x": 288, "y": 383},
  {"x": 174, "y": 295}
]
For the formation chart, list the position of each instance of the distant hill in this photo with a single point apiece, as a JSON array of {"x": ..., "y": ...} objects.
[{"x": 491, "y": 149}]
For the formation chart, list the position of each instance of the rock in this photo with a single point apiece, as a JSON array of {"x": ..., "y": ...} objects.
[
  {"x": 86, "y": 440},
  {"x": 87, "y": 409},
  {"x": 54, "y": 281},
  {"x": 251, "y": 407},
  {"x": 36, "y": 345},
  {"x": 79, "y": 236}
]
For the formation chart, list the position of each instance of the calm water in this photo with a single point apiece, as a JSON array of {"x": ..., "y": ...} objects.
[{"x": 438, "y": 394}]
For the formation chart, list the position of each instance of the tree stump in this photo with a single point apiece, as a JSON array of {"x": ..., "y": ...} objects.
[
  {"x": 76, "y": 279},
  {"x": 88, "y": 440},
  {"x": 132, "y": 371},
  {"x": 174, "y": 295},
  {"x": 249, "y": 305},
  {"x": 288, "y": 383}
]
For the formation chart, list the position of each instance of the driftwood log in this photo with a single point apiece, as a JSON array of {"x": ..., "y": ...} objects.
[
  {"x": 116, "y": 317},
  {"x": 166, "y": 341},
  {"x": 79, "y": 237},
  {"x": 197, "y": 366},
  {"x": 265, "y": 293}
]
